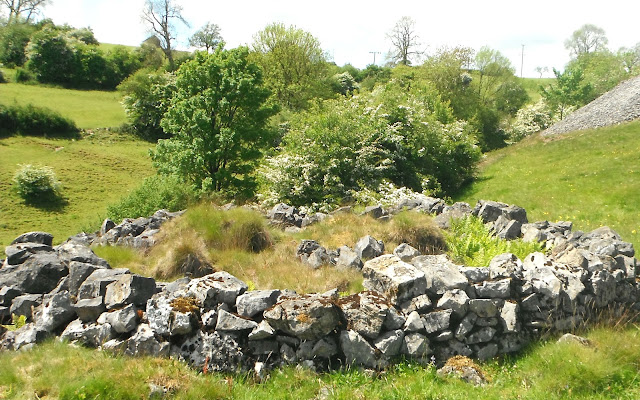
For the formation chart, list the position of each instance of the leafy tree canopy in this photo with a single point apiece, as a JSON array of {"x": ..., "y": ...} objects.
[
  {"x": 218, "y": 120},
  {"x": 294, "y": 65}
]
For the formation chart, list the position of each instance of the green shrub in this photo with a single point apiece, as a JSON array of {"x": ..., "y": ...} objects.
[
  {"x": 146, "y": 100},
  {"x": 472, "y": 243},
  {"x": 31, "y": 120},
  {"x": 2, "y": 78},
  {"x": 338, "y": 148},
  {"x": 154, "y": 193},
  {"x": 23, "y": 75},
  {"x": 529, "y": 120},
  {"x": 36, "y": 183}
]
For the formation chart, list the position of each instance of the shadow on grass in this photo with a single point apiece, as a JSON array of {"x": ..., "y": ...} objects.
[
  {"x": 55, "y": 204},
  {"x": 468, "y": 188}
]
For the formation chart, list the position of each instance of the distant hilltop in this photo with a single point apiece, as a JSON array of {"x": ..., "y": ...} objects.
[{"x": 620, "y": 104}]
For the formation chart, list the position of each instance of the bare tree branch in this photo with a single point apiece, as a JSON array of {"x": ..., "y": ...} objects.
[
  {"x": 18, "y": 8},
  {"x": 159, "y": 15},
  {"x": 405, "y": 41}
]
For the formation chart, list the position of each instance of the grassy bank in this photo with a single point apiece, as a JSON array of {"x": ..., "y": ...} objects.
[
  {"x": 591, "y": 178},
  {"x": 89, "y": 109},
  {"x": 94, "y": 171}
]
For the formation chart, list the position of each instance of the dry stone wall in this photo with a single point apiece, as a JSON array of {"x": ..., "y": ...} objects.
[{"x": 424, "y": 307}]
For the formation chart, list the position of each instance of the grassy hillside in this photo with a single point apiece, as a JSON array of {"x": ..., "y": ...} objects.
[
  {"x": 591, "y": 178},
  {"x": 89, "y": 109},
  {"x": 94, "y": 172}
]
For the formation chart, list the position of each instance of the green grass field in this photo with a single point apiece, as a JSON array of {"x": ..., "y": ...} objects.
[
  {"x": 89, "y": 109},
  {"x": 532, "y": 86},
  {"x": 95, "y": 172},
  {"x": 591, "y": 178}
]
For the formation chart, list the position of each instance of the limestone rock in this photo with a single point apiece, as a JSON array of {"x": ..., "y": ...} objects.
[
  {"x": 365, "y": 313},
  {"x": 219, "y": 287},
  {"x": 129, "y": 289},
  {"x": 437, "y": 321},
  {"x": 93, "y": 335},
  {"x": 262, "y": 331},
  {"x": 74, "y": 251},
  {"x": 35, "y": 237},
  {"x": 57, "y": 311},
  {"x": 40, "y": 273},
  {"x": 483, "y": 308},
  {"x": 95, "y": 285},
  {"x": 368, "y": 247},
  {"x": 256, "y": 301},
  {"x": 78, "y": 273},
  {"x": 357, "y": 350},
  {"x": 89, "y": 309},
  {"x": 305, "y": 317},
  {"x": 406, "y": 252},
  {"x": 390, "y": 343},
  {"x": 25, "y": 304},
  {"x": 233, "y": 323},
  {"x": 416, "y": 345},
  {"x": 122, "y": 321},
  {"x": 440, "y": 273},
  {"x": 456, "y": 300},
  {"x": 20, "y": 252},
  {"x": 348, "y": 259},
  {"x": 397, "y": 280},
  {"x": 144, "y": 343}
]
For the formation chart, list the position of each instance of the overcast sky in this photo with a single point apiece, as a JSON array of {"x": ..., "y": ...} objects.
[{"x": 350, "y": 30}]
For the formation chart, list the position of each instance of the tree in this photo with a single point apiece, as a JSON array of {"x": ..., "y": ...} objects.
[
  {"x": 294, "y": 65},
  {"x": 23, "y": 8},
  {"x": 448, "y": 69},
  {"x": 542, "y": 70},
  {"x": 630, "y": 58},
  {"x": 160, "y": 15},
  {"x": 568, "y": 91},
  {"x": 588, "y": 39},
  {"x": 146, "y": 100},
  {"x": 218, "y": 120},
  {"x": 603, "y": 70},
  {"x": 493, "y": 67},
  {"x": 405, "y": 41},
  {"x": 13, "y": 41},
  {"x": 208, "y": 37}
]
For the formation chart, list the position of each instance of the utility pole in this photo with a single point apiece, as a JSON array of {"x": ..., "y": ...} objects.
[
  {"x": 374, "y": 56},
  {"x": 522, "y": 62}
]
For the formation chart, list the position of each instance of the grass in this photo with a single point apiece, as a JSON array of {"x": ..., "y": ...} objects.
[
  {"x": 239, "y": 242},
  {"x": 610, "y": 369},
  {"x": 590, "y": 177},
  {"x": 89, "y": 109},
  {"x": 532, "y": 86},
  {"x": 94, "y": 172}
]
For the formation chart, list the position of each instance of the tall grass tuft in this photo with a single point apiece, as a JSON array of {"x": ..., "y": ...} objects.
[
  {"x": 238, "y": 228},
  {"x": 414, "y": 228},
  {"x": 418, "y": 230},
  {"x": 472, "y": 243}
]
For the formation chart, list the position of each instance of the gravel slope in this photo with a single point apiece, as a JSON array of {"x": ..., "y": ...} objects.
[{"x": 620, "y": 104}]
